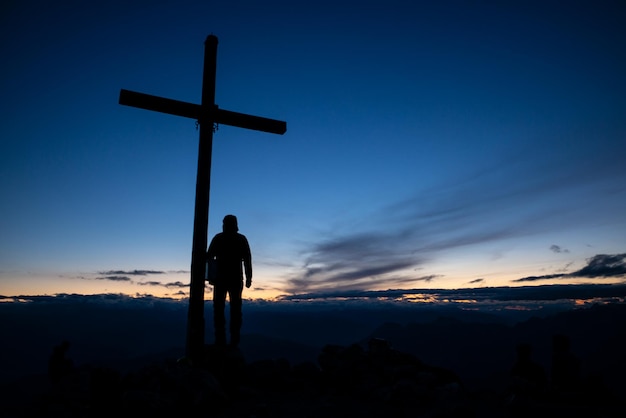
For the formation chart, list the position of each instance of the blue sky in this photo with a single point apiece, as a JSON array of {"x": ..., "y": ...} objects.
[{"x": 443, "y": 145}]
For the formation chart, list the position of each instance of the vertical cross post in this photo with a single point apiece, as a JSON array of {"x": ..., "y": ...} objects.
[{"x": 195, "y": 314}]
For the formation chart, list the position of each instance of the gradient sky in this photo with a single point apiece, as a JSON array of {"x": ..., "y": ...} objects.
[{"x": 438, "y": 144}]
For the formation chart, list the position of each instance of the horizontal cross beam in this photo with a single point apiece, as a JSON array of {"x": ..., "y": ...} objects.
[
  {"x": 241, "y": 120},
  {"x": 194, "y": 111},
  {"x": 159, "y": 104}
]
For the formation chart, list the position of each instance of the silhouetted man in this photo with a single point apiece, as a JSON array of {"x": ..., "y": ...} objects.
[{"x": 231, "y": 252}]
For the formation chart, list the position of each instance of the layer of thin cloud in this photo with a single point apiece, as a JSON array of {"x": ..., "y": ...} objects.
[
  {"x": 143, "y": 279},
  {"x": 176, "y": 284},
  {"x": 150, "y": 283},
  {"x": 408, "y": 234},
  {"x": 358, "y": 261},
  {"x": 337, "y": 280},
  {"x": 132, "y": 272},
  {"x": 115, "y": 278},
  {"x": 477, "y": 295}
]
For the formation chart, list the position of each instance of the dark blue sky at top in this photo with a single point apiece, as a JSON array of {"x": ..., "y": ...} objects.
[{"x": 428, "y": 142}]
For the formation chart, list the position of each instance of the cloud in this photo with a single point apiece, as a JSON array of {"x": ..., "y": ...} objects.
[
  {"x": 603, "y": 265},
  {"x": 169, "y": 285},
  {"x": 427, "y": 279},
  {"x": 567, "y": 266},
  {"x": 132, "y": 272},
  {"x": 476, "y": 281},
  {"x": 115, "y": 278},
  {"x": 479, "y": 295},
  {"x": 150, "y": 283},
  {"x": 598, "y": 266},
  {"x": 557, "y": 249},
  {"x": 538, "y": 278},
  {"x": 176, "y": 284}
]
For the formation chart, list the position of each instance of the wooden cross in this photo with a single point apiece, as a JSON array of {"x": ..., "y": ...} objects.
[{"x": 207, "y": 114}]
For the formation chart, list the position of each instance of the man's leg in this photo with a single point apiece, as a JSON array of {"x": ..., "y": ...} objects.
[
  {"x": 235, "y": 313},
  {"x": 219, "y": 320}
]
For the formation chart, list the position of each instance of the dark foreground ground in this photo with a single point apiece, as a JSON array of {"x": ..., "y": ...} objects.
[
  {"x": 346, "y": 381},
  {"x": 439, "y": 367}
]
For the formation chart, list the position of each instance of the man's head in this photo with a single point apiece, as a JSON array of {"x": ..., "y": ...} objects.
[{"x": 230, "y": 224}]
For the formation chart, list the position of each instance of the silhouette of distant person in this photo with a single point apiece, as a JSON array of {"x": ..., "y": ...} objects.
[
  {"x": 565, "y": 366},
  {"x": 529, "y": 376},
  {"x": 231, "y": 253},
  {"x": 59, "y": 365}
]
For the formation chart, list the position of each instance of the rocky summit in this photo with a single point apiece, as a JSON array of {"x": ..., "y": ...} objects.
[{"x": 359, "y": 380}]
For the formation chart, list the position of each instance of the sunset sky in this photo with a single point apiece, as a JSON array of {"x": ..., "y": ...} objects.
[{"x": 446, "y": 144}]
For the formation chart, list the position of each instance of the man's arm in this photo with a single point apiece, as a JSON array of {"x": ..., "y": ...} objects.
[
  {"x": 210, "y": 253},
  {"x": 247, "y": 261}
]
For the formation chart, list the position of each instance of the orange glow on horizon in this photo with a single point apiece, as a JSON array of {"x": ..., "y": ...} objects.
[{"x": 419, "y": 298}]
